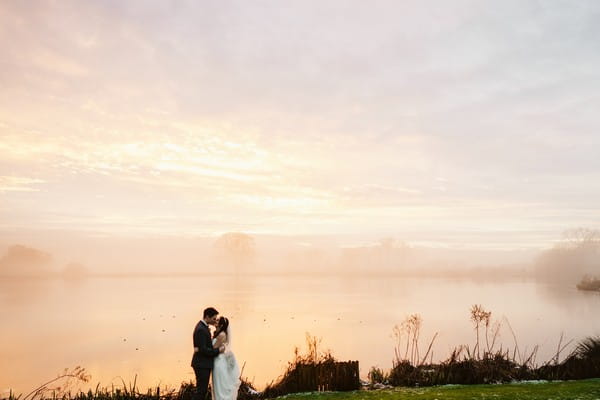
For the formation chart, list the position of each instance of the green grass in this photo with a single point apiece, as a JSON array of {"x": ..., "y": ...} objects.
[{"x": 581, "y": 390}]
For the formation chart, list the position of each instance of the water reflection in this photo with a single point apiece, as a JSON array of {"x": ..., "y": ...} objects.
[
  {"x": 568, "y": 299},
  {"x": 16, "y": 292}
]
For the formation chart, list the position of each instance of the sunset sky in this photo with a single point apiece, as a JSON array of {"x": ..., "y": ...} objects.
[{"x": 446, "y": 122}]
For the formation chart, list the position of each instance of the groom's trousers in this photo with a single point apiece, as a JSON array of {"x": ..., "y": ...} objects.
[{"x": 202, "y": 377}]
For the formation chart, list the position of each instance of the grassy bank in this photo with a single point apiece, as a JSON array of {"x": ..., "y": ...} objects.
[
  {"x": 588, "y": 389},
  {"x": 567, "y": 390}
]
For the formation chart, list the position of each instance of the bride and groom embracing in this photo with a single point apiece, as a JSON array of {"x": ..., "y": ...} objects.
[{"x": 213, "y": 353}]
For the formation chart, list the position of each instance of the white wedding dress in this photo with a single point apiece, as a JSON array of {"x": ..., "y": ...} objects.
[{"x": 225, "y": 374}]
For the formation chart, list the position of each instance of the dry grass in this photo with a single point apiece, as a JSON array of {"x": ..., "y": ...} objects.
[{"x": 485, "y": 363}]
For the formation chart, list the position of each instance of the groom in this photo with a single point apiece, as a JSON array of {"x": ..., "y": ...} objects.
[{"x": 204, "y": 354}]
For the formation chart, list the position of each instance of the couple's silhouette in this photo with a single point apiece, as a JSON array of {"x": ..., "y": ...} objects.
[{"x": 212, "y": 353}]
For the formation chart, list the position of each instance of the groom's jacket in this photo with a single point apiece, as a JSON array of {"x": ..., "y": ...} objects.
[{"x": 204, "y": 356}]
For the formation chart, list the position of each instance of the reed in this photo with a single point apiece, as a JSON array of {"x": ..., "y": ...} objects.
[
  {"x": 63, "y": 387},
  {"x": 314, "y": 371},
  {"x": 486, "y": 364},
  {"x": 377, "y": 376}
]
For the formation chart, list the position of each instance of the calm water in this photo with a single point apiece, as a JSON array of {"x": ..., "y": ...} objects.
[{"x": 122, "y": 327}]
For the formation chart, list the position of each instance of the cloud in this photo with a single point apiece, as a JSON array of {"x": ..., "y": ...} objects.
[
  {"x": 315, "y": 115},
  {"x": 18, "y": 184}
]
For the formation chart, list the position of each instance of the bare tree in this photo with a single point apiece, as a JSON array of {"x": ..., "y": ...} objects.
[
  {"x": 22, "y": 260},
  {"x": 581, "y": 238},
  {"x": 575, "y": 256},
  {"x": 236, "y": 249}
]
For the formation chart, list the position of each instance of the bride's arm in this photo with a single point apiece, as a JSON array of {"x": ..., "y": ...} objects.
[{"x": 220, "y": 340}]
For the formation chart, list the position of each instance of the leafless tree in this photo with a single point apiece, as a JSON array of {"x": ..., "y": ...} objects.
[{"x": 236, "y": 249}]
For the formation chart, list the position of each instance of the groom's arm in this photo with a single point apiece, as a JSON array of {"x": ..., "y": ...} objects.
[
  {"x": 220, "y": 340},
  {"x": 200, "y": 341}
]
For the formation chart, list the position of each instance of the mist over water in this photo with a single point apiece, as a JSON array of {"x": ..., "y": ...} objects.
[
  {"x": 51, "y": 253},
  {"x": 136, "y": 326},
  {"x": 125, "y": 308}
]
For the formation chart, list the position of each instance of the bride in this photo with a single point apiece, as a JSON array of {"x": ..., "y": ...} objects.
[{"x": 226, "y": 371}]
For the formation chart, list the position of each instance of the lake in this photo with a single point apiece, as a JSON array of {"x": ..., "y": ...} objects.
[{"x": 122, "y": 327}]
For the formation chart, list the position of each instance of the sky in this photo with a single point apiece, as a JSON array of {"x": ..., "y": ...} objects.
[{"x": 468, "y": 123}]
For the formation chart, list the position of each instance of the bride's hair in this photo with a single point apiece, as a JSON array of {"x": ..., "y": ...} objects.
[{"x": 222, "y": 326}]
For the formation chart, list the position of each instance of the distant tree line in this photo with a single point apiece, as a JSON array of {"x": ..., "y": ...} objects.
[{"x": 577, "y": 255}]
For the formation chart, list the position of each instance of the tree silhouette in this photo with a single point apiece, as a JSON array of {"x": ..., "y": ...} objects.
[
  {"x": 25, "y": 261},
  {"x": 575, "y": 256},
  {"x": 236, "y": 250}
]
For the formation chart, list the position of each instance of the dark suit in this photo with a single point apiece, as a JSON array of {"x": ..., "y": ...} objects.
[{"x": 203, "y": 359}]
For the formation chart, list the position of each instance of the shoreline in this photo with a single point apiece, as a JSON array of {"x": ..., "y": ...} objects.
[{"x": 582, "y": 389}]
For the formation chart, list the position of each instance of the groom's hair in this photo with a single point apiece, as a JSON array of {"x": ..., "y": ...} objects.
[{"x": 210, "y": 312}]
